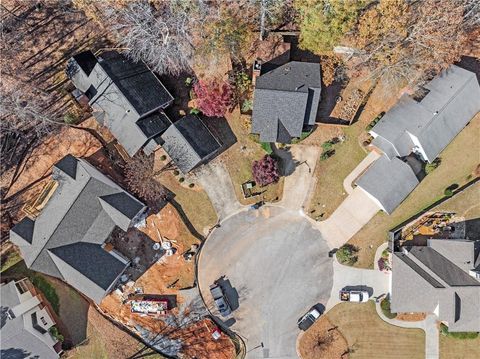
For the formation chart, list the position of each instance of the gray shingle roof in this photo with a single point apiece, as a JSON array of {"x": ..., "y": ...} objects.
[
  {"x": 285, "y": 100},
  {"x": 127, "y": 93},
  {"x": 19, "y": 340},
  {"x": 390, "y": 181},
  {"x": 80, "y": 215},
  {"x": 189, "y": 142},
  {"x": 437, "y": 275},
  {"x": 453, "y": 99}
]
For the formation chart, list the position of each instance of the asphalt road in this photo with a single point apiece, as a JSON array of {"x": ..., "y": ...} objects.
[{"x": 275, "y": 267}]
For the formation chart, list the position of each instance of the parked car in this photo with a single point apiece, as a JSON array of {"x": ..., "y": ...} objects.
[
  {"x": 358, "y": 296},
  {"x": 220, "y": 299},
  {"x": 308, "y": 319}
]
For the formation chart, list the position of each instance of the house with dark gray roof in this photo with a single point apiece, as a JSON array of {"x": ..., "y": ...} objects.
[
  {"x": 25, "y": 324},
  {"x": 443, "y": 278},
  {"x": 388, "y": 182},
  {"x": 125, "y": 96},
  {"x": 286, "y": 101},
  {"x": 189, "y": 143},
  {"x": 66, "y": 240},
  {"x": 420, "y": 128},
  {"x": 426, "y": 126}
]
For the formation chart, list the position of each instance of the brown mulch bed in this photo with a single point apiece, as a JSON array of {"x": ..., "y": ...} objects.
[{"x": 411, "y": 317}]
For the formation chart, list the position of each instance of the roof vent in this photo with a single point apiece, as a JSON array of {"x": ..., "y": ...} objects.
[
  {"x": 299, "y": 87},
  {"x": 287, "y": 70}
]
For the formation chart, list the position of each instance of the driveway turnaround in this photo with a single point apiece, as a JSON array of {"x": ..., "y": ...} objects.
[{"x": 274, "y": 266}]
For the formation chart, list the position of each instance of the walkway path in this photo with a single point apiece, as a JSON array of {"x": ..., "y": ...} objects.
[
  {"x": 354, "y": 212},
  {"x": 362, "y": 166},
  {"x": 300, "y": 183},
  {"x": 215, "y": 180},
  {"x": 429, "y": 326}
]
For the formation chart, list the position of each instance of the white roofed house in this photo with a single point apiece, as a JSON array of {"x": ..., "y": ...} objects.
[
  {"x": 422, "y": 127},
  {"x": 26, "y": 323}
]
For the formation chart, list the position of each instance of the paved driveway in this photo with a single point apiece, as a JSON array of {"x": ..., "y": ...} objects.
[
  {"x": 276, "y": 268},
  {"x": 215, "y": 180},
  {"x": 372, "y": 280},
  {"x": 354, "y": 212},
  {"x": 301, "y": 182}
]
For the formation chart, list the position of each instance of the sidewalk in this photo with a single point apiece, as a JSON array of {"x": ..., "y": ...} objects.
[
  {"x": 429, "y": 326},
  {"x": 362, "y": 166}
]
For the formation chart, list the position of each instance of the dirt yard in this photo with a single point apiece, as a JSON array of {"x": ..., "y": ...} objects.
[
  {"x": 323, "y": 340},
  {"x": 411, "y": 317},
  {"x": 165, "y": 276}
]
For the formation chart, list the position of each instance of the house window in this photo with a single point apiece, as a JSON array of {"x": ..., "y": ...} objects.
[
  {"x": 21, "y": 287},
  {"x": 43, "y": 320}
]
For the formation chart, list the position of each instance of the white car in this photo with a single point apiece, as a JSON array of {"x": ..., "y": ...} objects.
[
  {"x": 308, "y": 319},
  {"x": 358, "y": 296}
]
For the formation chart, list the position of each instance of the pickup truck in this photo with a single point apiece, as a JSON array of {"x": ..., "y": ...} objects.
[
  {"x": 359, "y": 296},
  {"x": 221, "y": 300},
  {"x": 308, "y": 319}
]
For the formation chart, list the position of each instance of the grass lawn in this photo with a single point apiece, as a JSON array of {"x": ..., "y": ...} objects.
[
  {"x": 9, "y": 259},
  {"x": 194, "y": 202},
  {"x": 330, "y": 173},
  {"x": 451, "y": 348},
  {"x": 368, "y": 336},
  {"x": 459, "y": 161},
  {"x": 239, "y": 158},
  {"x": 465, "y": 204}
]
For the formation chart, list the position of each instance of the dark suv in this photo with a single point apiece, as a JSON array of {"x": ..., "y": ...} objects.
[{"x": 221, "y": 300}]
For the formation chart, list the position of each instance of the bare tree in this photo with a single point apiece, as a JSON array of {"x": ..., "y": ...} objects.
[
  {"x": 140, "y": 178},
  {"x": 161, "y": 37}
]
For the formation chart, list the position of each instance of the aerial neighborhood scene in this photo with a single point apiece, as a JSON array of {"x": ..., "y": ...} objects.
[{"x": 240, "y": 179}]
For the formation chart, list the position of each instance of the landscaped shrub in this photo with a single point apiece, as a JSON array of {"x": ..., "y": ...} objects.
[
  {"x": 429, "y": 167},
  {"x": 56, "y": 334},
  {"x": 457, "y": 335},
  {"x": 326, "y": 155},
  {"x": 265, "y": 171},
  {"x": 375, "y": 121},
  {"x": 247, "y": 105},
  {"x": 48, "y": 291},
  {"x": 163, "y": 158},
  {"x": 347, "y": 254},
  {"x": 213, "y": 98},
  {"x": 191, "y": 185},
  {"x": 194, "y": 111},
  {"x": 176, "y": 172},
  {"x": 449, "y": 190},
  {"x": 267, "y": 147},
  {"x": 181, "y": 179},
  {"x": 384, "y": 264},
  {"x": 385, "y": 305}
]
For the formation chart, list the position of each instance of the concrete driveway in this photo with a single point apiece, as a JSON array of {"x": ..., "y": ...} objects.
[
  {"x": 301, "y": 182},
  {"x": 371, "y": 280},
  {"x": 274, "y": 267},
  {"x": 354, "y": 212},
  {"x": 215, "y": 180}
]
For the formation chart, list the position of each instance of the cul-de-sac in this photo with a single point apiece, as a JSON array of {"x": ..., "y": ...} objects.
[{"x": 240, "y": 179}]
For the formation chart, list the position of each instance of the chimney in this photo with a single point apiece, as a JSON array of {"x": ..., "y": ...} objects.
[{"x": 257, "y": 68}]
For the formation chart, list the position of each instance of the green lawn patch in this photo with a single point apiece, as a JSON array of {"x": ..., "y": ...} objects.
[
  {"x": 457, "y": 335},
  {"x": 11, "y": 258},
  {"x": 48, "y": 291},
  {"x": 385, "y": 305},
  {"x": 267, "y": 147}
]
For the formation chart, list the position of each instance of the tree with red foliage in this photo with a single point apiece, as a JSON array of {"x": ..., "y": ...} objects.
[
  {"x": 265, "y": 171},
  {"x": 213, "y": 98}
]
